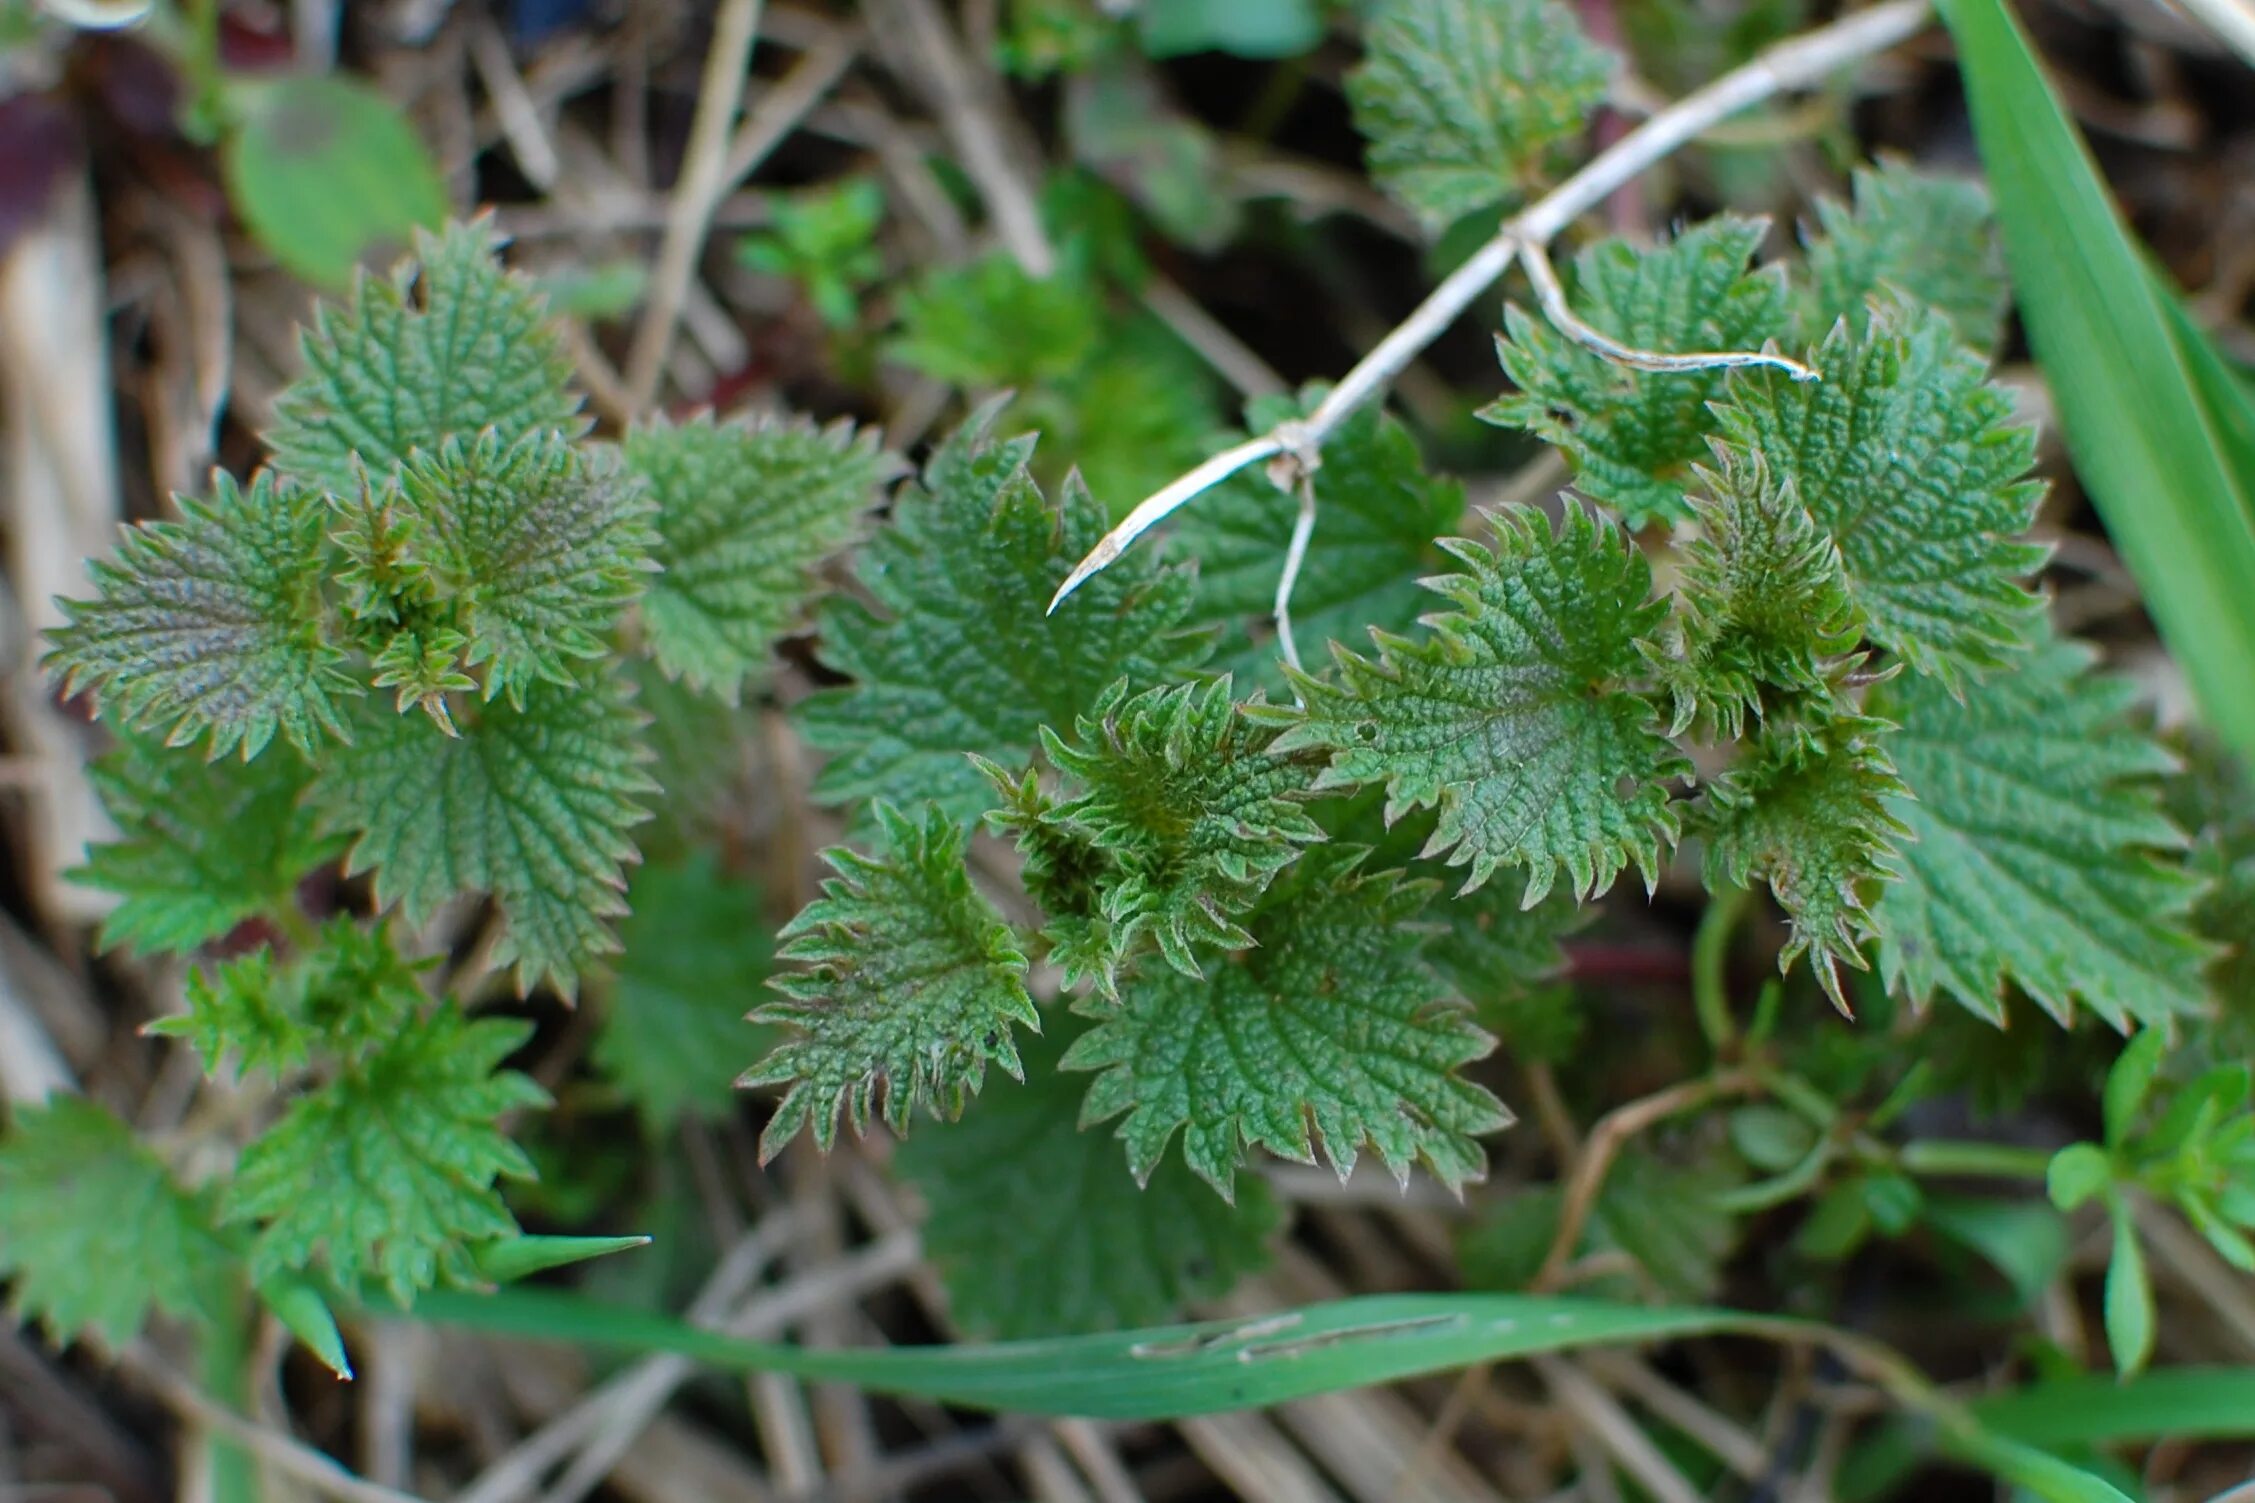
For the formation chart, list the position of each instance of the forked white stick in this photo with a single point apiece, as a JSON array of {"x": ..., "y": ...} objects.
[
  {"x": 1569, "y": 323},
  {"x": 1792, "y": 64}
]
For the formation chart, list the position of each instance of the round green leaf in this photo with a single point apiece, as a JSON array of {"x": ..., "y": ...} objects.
[
  {"x": 1770, "y": 1137},
  {"x": 323, "y": 170},
  {"x": 2077, "y": 1172}
]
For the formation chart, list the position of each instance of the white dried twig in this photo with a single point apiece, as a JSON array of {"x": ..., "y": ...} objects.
[
  {"x": 1552, "y": 296},
  {"x": 1295, "y": 554},
  {"x": 1159, "y": 507},
  {"x": 1789, "y": 65}
]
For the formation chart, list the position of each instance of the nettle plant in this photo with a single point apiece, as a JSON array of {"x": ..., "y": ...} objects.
[{"x": 1203, "y": 892}]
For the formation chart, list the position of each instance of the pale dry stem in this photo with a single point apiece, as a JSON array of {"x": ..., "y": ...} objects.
[
  {"x": 1562, "y": 316},
  {"x": 700, "y": 188},
  {"x": 1793, "y": 64}
]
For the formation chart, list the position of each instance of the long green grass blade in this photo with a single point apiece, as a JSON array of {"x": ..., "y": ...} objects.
[
  {"x": 2150, "y": 451},
  {"x": 1176, "y": 1372},
  {"x": 2176, "y": 1403},
  {"x": 2072, "y": 1415},
  {"x": 2039, "y": 1472},
  {"x": 1169, "y": 1373},
  {"x": 2225, "y": 396}
]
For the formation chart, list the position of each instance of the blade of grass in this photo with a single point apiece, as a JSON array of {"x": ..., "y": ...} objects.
[
  {"x": 2130, "y": 397},
  {"x": 1169, "y": 1373},
  {"x": 2024, "y": 1466},
  {"x": 2070, "y": 1414},
  {"x": 2176, "y": 1403},
  {"x": 1175, "y": 1372},
  {"x": 2224, "y": 394}
]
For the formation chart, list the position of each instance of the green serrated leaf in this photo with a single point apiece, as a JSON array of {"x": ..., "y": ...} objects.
[
  {"x": 202, "y": 846},
  {"x": 2035, "y": 829},
  {"x": 1193, "y": 811},
  {"x": 448, "y": 345},
  {"x": 1670, "y": 1217},
  {"x": 1331, "y": 1034},
  {"x": 2214, "y": 801},
  {"x": 991, "y": 325},
  {"x": 1811, "y": 811},
  {"x": 1633, "y": 436},
  {"x": 1915, "y": 467},
  {"x": 384, "y": 576},
  {"x": 1466, "y": 102},
  {"x": 1063, "y": 870},
  {"x": 531, "y": 803},
  {"x": 387, "y": 1171},
  {"x": 422, "y": 666},
  {"x": 245, "y": 1009},
  {"x": 910, "y": 985},
  {"x": 1766, "y": 611},
  {"x": 696, "y": 956},
  {"x": 347, "y": 993},
  {"x": 212, "y": 624},
  {"x": 1517, "y": 716},
  {"x": 1040, "y": 1230},
  {"x": 746, "y": 511},
  {"x": 960, "y": 654},
  {"x": 324, "y": 170},
  {"x": 1378, "y": 514},
  {"x": 1496, "y": 953},
  {"x": 1926, "y": 236},
  {"x": 1504, "y": 959},
  {"x": 1119, "y": 397},
  {"x": 700, "y": 752},
  {"x": 535, "y": 547},
  {"x": 95, "y": 1234}
]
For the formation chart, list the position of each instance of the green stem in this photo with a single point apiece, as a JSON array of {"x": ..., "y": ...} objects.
[
  {"x": 198, "y": 57},
  {"x": 225, "y": 1354},
  {"x": 1779, "y": 1188},
  {"x": 1710, "y": 958},
  {"x": 1804, "y": 1098},
  {"x": 1941, "y": 1156}
]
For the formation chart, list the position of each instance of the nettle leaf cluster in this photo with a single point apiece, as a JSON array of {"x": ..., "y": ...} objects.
[
  {"x": 410, "y": 649},
  {"x": 1783, "y": 627},
  {"x": 1133, "y": 899}
]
